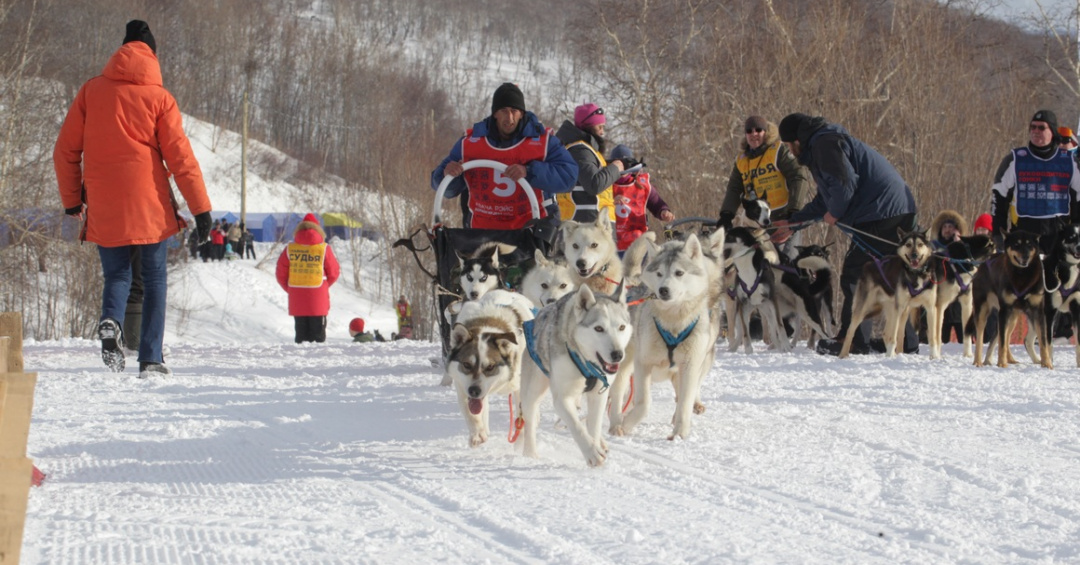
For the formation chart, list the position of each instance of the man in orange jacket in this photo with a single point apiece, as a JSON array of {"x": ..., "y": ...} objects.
[{"x": 119, "y": 143}]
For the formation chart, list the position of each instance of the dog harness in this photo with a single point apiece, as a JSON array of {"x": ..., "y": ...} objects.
[
  {"x": 1019, "y": 295},
  {"x": 527, "y": 328},
  {"x": 749, "y": 291},
  {"x": 588, "y": 369},
  {"x": 672, "y": 341},
  {"x": 911, "y": 289}
]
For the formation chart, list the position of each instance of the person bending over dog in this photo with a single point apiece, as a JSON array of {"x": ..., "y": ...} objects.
[{"x": 858, "y": 187}]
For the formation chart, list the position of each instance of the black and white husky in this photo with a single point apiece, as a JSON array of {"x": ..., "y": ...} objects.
[
  {"x": 805, "y": 293},
  {"x": 753, "y": 286}
]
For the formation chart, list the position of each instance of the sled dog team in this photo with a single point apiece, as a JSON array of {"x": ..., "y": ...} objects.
[{"x": 573, "y": 330}]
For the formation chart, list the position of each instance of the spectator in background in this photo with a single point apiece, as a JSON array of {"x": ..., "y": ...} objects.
[
  {"x": 233, "y": 236},
  {"x": 984, "y": 224},
  {"x": 633, "y": 194},
  {"x": 1067, "y": 139},
  {"x": 515, "y": 137},
  {"x": 1047, "y": 197},
  {"x": 946, "y": 228},
  {"x": 306, "y": 270},
  {"x": 356, "y": 330},
  {"x": 404, "y": 318},
  {"x": 217, "y": 242},
  {"x": 120, "y": 140},
  {"x": 248, "y": 242},
  {"x": 584, "y": 139},
  {"x": 767, "y": 169}
]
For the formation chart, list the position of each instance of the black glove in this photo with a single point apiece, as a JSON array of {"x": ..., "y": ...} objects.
[
  {"x": 628, "y": 162},
  {"x": 74, "y": 211},
  {"x": 725, "y": 220},
  {"x": 202, "y": 226}
]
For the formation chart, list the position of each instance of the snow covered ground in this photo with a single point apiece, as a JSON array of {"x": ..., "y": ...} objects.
[{"x": 261, "y": 451}]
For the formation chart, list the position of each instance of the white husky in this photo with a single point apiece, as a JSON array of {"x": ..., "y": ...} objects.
[
  {"x": 577, "y": 345},
  {"x": 675, "y": 332},
  {"x": 547, "y": 281},
  {"x": 486, "y": 345},
  {"x": 591, "y": 254}
]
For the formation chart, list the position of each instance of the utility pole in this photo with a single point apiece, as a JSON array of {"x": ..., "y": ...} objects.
[{"x": 243, "y": 162}]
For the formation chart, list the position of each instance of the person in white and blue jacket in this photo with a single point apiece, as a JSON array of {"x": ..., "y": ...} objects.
[{"x": 1037, "y": 186}]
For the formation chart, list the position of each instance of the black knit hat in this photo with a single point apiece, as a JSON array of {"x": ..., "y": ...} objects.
[
  {"x": 138, "y": 30},
  {"x": 1048, "y": 117},
  {"x": 508, "y": 95},
  {"x": 789, "y": 126}
]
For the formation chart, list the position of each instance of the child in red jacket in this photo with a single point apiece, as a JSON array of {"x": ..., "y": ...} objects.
[
  {"x": 306, "y": 269},
  {"x": 633, "y": 194}
]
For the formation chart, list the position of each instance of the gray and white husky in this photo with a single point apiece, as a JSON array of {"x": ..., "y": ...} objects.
[
  {"x": 577, "y": 345},
  {"x": 547, "y": 281},
  {"x": 675, "y": 331},
  {"x": 486, "y": 345},
  {"x": 753, "y": 286},
  {"x": 591, "y": 254}
]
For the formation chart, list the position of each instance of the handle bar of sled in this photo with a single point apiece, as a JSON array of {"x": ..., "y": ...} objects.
[
  {"x": 499, "y": 168},
  {"x": 691, "y": 220}
]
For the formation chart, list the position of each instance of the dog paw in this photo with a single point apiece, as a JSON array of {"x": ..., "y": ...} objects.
[
  {"x": 699, "y": 408},
  {"x": 618, "y": 431},
  {"x": 477, "y": 439},
  {"x": 596, "y": 458}
]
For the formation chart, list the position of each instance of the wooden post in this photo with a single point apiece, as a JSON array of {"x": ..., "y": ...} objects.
[
  {"x": 16, "y": 405},
  {"x": 11, "y": 326}
]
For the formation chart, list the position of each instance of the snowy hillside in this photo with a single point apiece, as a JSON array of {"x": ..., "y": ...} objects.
[{"x": 261, "y": 451}]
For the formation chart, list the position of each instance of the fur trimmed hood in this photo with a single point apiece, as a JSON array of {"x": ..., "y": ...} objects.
[
  {"x": 772, "y": 135},
  {"x": 309, "y": 239},
  {"x": 948, "y": 216}
]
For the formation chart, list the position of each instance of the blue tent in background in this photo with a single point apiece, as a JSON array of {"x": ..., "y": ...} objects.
[
  {"x": 256, "y": 223},
  {"x": 49, "y": 222},
  {"x": 226, "y": 216}
]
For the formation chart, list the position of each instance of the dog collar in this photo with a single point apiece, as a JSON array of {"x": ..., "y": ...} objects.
[
  {"x": 588, "y": 369},
  {"x": 672, "y": 341}
]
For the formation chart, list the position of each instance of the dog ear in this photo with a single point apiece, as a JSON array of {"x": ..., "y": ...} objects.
[
  {"x": 603, "y": 220},
  {"x": 504, "y": 342},
  {"x": 693, "y": 246},
  {"x": 620, "y": 292},
  {"x": 538, "y": 257},
  {"x": 585, "y": 298},
  {"x": 459, "y": 335},
  {"x": 460, "y": 258}
]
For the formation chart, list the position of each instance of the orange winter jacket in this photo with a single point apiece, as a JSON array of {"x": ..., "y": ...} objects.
[{"x": 121, "y": 131}]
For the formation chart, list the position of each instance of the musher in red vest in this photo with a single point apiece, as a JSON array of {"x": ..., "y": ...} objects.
[
  {"x": 633, "y": 195},
  {"x": 513, "y": 136}
]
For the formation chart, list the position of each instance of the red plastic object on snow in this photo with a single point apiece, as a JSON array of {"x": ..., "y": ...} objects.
[{"x": 38, "y": 477}]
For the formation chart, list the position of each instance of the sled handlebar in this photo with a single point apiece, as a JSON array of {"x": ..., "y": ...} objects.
[{"x": 499, "y": 168}]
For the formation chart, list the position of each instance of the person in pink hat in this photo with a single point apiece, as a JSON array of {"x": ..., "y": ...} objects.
[
  {"x": 584, "y": 139},
  {"x": 305, "y": 270}
]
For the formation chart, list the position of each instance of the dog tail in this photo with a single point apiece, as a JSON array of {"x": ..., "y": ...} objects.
[{"x": 634, "y": 258}]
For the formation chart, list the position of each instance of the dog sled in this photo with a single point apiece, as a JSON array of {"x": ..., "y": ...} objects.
[{"x": 447, "y": 243}]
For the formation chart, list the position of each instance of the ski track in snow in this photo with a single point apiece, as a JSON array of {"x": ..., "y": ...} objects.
[{"x": 341, "y": 453}]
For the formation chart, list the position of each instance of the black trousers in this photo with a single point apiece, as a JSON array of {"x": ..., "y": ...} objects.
[
  {"x": 852, "y": 269},
  {"x": 310, "y": 328}
]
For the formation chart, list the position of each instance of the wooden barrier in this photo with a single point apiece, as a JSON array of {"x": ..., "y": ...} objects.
[{"x": 16, "y": 405}]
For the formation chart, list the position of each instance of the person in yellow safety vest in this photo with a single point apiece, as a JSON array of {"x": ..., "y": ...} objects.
[
  {"x": 306, "y": 269},
  {"x": 584, "y": 139},
  {"x": 767, "y": 168}
]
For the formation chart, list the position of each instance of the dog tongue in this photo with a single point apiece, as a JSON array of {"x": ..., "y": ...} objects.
[
  {"x": 476, "y": 405},
  {"x": 611, "y": 368}
]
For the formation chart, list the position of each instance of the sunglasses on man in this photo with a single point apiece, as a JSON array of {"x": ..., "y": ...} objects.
[
  {"x": 753, "y": 130},
  {"x": 1038, "y": 127}
]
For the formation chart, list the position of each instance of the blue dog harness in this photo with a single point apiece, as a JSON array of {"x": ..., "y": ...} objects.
[
  {"x": 672, "y": 341},
  {"x": 588, "y": 369},
  {"x": 530, "y": 344}
]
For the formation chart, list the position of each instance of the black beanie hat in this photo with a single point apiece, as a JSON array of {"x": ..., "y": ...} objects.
[
  {"x": 138, "y": 30},
  {"x": 789, "y": 126},
  {"x": 508, "y": 95},
  {"x": 1048, "y": 117}
]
